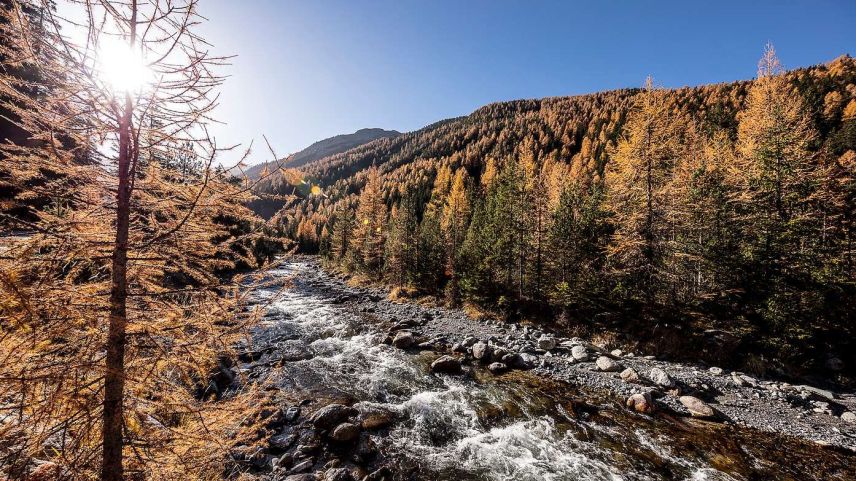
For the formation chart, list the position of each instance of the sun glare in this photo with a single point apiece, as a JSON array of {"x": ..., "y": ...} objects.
[{"x": 122, "y": 68}]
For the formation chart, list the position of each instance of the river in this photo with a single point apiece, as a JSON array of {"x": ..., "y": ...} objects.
[{"x": 518, "y": 426}]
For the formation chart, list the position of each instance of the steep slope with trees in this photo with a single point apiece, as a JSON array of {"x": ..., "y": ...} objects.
[
  {"x": 271, "y": 185},
  {"x": 715, "y": 219}
]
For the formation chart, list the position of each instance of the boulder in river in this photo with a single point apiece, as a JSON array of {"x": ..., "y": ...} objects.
[
  {"x": 289, "y": 351},
  {"x": 606, "y": 364},
  {"x": 849, "y": 417},
  {"x": 403, "y": 339},
  {"x": 446, "y": 365},
  {"x": 579, "y": 353},
  {"x": 661, "y": 378},
  {"x": 345, "y": 432},
  {"x": 497, "y": 368},
  {"x": 716, "y": 371},
  {"x": 697, "y": 407},
  {"x": 332, "y": 415},
  {"x": 376, "y": 417},
  {"x": 641, "y": 402},
  {"x": 481, "y": 351}
]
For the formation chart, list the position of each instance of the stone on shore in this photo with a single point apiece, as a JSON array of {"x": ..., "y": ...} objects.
[
  {"x": 641, "y": 402},
  {"x": 403, "y": 339},
  {"x": 547, "y": 343},
  {"x": 660, "y": 378},
  {"x": 606, "y": 364},
  {"x": 579, "y": 353},
  {"x": 332, "y": 415},
  {"x": 345, "y": 432},
  {"x": 629, "y": 375},
  {"x": 697, "y": 407},
  {"x": 338, "y": 474},
  {"x": 481, "y": 351}
]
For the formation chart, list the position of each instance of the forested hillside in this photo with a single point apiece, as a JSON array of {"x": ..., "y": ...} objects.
[
  {"x": 268, "y": 179},
  {"x": 723, "y": 213}
]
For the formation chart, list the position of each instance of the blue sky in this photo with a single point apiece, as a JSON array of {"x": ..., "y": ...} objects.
[{"x": 312, "y": 69}]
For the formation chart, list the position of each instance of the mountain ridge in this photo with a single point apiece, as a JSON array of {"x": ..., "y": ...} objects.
[{"x": 324, "y": 148}]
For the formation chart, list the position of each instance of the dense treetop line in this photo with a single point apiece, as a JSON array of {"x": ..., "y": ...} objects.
[{"x": 727, "y": 206}]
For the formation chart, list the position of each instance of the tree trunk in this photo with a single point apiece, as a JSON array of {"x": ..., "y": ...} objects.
[{"x": 114, "y": 377}]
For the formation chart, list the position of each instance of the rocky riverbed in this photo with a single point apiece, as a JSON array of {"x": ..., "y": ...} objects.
[{"x": 368, "y": 388}]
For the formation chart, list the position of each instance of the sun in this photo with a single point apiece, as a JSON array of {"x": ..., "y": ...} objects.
[{"x": 122, "y": 68}]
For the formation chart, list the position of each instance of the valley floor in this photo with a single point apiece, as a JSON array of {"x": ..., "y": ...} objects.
[{"x": 777, "y": 428}]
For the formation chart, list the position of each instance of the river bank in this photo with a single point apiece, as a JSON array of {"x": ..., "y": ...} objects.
[{"x": 512, "y": 402}]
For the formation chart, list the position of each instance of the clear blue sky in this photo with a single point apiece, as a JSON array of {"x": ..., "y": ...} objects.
[{"x": 308, "y": 70}]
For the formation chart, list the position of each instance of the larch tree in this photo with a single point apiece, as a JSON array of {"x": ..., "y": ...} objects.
[
  {"x": 401, "y": 242},
  {"x": 114, "y": 314},
  {"x": 453, "y": 224},
  {"x": 638, "y": 182},
  {"x": 705, "y": 241},
  {"x": 368, "y": 236},
  {"x": 777, "y": 178}
]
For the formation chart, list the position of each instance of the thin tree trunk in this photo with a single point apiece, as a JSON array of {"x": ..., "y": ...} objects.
[{"x": 114, "y": 377}]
